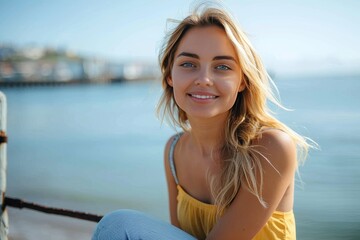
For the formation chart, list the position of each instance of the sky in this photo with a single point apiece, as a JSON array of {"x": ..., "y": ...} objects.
[{"x": 291, "y": 36}]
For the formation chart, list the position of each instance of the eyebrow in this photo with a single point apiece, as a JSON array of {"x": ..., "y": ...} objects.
[
  {"x": 187, "y": 54},
  {"x": 193, "y": 55}
]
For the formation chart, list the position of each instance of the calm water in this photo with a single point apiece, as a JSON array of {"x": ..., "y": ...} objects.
[{"x": 99, "y": 147}]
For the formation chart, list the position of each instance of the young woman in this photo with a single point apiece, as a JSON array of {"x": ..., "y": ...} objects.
[{"x": 230, "y": 173}]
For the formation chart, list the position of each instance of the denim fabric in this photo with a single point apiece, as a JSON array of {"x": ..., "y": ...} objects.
[{"x": 134, "y": 225}]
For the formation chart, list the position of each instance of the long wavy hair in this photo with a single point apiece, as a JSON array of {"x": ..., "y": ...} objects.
[{"x": 249, "y": 115}]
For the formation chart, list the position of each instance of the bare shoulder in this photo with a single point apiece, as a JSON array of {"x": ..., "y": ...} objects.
[{"x": 278, "y": 148}]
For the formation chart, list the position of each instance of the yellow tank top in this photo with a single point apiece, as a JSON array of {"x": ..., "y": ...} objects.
[{"x": 198, "y": 218}]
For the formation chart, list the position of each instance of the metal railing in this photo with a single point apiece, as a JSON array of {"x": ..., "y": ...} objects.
[{"x": 18, "y": 203}]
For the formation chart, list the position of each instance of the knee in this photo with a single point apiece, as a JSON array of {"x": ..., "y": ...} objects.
[
  {"x": 122, "y": 217},
  {"x": 118, "y": 223}
]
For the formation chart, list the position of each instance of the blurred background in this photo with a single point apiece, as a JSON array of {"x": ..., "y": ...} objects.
[{"x": 82, "y": 81}]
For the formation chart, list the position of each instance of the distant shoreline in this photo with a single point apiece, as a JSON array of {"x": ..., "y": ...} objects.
[
  {"x": 40, "y": 83},
  {"x": 11, "y": 84}
]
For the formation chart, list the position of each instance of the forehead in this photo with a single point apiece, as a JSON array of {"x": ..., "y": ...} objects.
[{"x": 207, "y": 40}]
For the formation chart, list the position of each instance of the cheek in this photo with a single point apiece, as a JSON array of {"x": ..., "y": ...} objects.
[
  {"x": 178, "y": 89},
  {"x": 180, "y": 80},
  {"x": 230, "y": 88}
]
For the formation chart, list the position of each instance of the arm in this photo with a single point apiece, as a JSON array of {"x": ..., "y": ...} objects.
[
  {"x": 246, "y": 216},
  {"x": 172, "y": 190}
]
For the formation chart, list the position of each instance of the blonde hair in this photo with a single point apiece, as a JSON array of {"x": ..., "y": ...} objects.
[{"x": 247, "y": 117}]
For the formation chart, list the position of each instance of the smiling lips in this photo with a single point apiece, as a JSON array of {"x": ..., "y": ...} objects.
[{"x": 202, "y": 96}]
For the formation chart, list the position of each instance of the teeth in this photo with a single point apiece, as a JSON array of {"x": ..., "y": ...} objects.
[{"x": 203, "y": 96}]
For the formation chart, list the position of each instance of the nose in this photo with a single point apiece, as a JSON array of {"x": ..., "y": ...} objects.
[{"x": 204, "y": 78}]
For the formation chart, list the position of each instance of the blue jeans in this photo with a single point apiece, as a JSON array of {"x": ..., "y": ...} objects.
[{"x": 134, "y": 225}]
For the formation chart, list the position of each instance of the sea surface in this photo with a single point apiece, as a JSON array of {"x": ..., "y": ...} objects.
[{"x": 98, "y": 148}]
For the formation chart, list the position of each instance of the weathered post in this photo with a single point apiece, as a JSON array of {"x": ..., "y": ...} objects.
[{"x": 4, "y": 224}]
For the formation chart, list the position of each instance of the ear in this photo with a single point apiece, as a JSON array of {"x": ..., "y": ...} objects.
[
  {"x": 242, "y": 85},
  {"x": 169, "y": 81}
]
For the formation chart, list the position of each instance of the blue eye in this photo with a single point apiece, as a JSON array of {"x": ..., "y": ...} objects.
[
  {"x": 187, "y": 65},
  {"x": 222, "y": 67}
]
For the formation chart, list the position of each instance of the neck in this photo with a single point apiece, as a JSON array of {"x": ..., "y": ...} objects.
[{"x": 207, "y": 135}]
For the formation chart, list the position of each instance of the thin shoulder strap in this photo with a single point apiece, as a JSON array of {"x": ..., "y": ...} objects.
[{"x": 171, "y": 156}]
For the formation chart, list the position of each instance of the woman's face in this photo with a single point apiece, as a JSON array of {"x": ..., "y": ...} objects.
[{"x": 206, "y": 75}]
